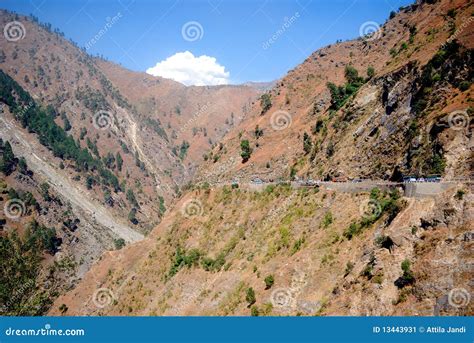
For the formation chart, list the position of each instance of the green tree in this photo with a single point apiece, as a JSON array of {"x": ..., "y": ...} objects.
[
  {"x": 7, "y": 163},
  {"x": 131, "y": 198},
  {"x": 44, "y": 187},
  {"x": 119, "y": 243},
  {"x": 22, "y": 166},
  {"x": 269, "y": 281},
  {"x": 132, "y": 216},
  {"x": 250, "y": 297},
  {"x": 246, "y": 150},
  {"x": 370, "y": 72},
  {"x": 307, "y": 144},
  {"x": 119, "y": 160},
  {"x": 89, "y": 182},
  {"x": 265, "y": 102},
  {"x": 351, "y": 74}
]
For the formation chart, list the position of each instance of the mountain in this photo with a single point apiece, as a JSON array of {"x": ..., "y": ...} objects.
[
  {"x": 89, "y": 165},
  {"x": 194, "y": 116},
  {"x": 380, "y": 107},
  {"x": 366, "y": 127}
]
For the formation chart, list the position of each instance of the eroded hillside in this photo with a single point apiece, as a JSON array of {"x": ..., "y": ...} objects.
[
  {"x": 285, "y": 251},
  {"x": 103, "y": 164},
  {"x": 397, "y": 101},
  {"x": 394, "y": 103},
  {"x": 193, "y": 119}
]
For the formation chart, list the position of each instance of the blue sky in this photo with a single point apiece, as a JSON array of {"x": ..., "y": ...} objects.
[{"x": 237, "y": 34}]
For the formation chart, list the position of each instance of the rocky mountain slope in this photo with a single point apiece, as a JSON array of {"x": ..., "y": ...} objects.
[
  {"x": 374, "y": 107},
  {"x": 289, "y": 252},
  {"x": 109, "y": 164},
  {"x": 193, "y": 119},
  {"x": 394, "y": 103}
]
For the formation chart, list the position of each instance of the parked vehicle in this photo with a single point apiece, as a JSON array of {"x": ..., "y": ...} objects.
[{"x": 409, "y": 179}]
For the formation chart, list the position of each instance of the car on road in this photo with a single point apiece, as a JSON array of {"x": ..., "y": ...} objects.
[
  {"x": 257, "y": 181},
  {"x": 409, "y": 179}
]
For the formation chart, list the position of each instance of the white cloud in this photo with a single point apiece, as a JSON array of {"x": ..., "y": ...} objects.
[{"x": 184, "y": 67}]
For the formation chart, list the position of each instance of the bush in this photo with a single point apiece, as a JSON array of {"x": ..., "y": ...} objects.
[
  {"x": 464, "y": 85},
  {"x": 307, "y": 144},
  {"x": 246, "y": 150},
  {"x": 339, "y": 94},
  {"x": 250, "y": 297},
  {"x": 460, "y": 194},
  {"x": 370, "y": 72},
  {"x": 327, "y": 220},
  {"x": 119, "y": 243},
  {"x": 269, "y": 281},
  {"x": 407, "y": 277},
  {"x": 265, "y": 102},
  {"x": 132, "y": 216},
  {"x": 7, "y": 161},
  {"x": 254, "y": 311}
]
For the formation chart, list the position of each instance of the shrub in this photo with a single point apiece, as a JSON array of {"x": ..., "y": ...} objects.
[
  {"x": 132, "y": 216},
  {"x": 246, "y": 150},
  {"x": 307, "y": 144},
  {"x": 254, "y": 311},
  {"x": 327, "y": 220},
  {"x": 407, "y": 277},
  {"x": 464, "y": 85},
  {"x": 250, "y": 296},
  {"x": 269, "y": 281},
  {"x": 370, "y": 72},
  {"x": 265, "y": 102},
  {"x": 258, "y": 132},
  {"x": 339, "y": 94},
  {"x": 7, "y": 161},
  {"x": 460, "y": 194},
  {"x": 119, "y": 243}
]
